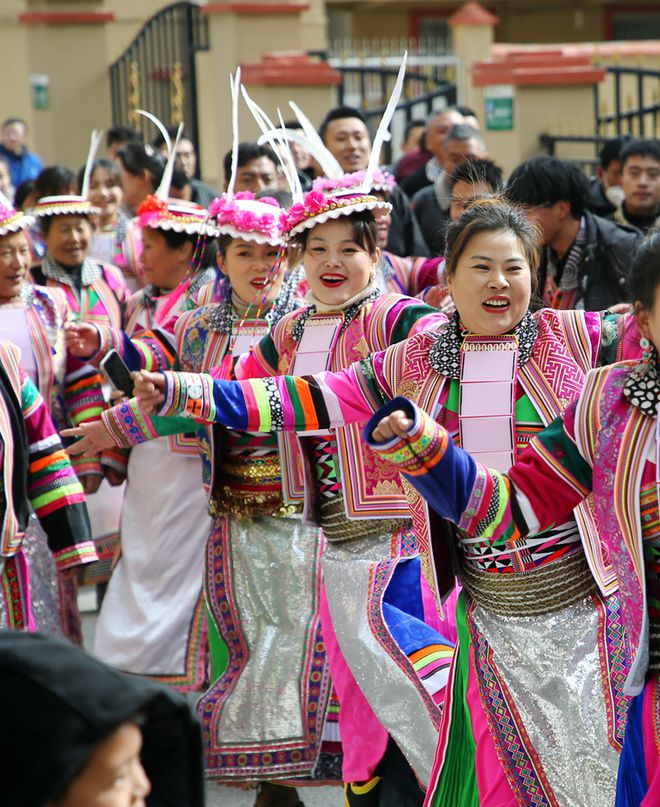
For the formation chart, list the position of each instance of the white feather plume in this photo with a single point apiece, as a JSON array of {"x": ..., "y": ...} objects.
[
  {"x": 320, "y": 152},
  {"x": 234, "y": 84},
  {"x": 384, "y": 125},
  {"x": 94, "y": 142},
  {"x": 279, "y": 145}
]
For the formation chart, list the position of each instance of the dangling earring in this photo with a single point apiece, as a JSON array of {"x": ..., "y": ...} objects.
[{"x": 646, "y": 348}]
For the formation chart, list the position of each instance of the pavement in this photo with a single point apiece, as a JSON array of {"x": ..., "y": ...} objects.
[{"x": 216, "y": 795}]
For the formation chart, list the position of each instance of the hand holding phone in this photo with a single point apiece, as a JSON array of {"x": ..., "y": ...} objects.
[{"x": 117, "y": 372}]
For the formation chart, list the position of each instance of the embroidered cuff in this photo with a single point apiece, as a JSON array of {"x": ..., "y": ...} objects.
[
  {"x": 189, "y": 394},
  {"x": 86, "y": 466},
  {"x": 127, "y": 425},
  {"x": 75, "y": 556},
  {"x": 421, "y": 449},
  {"x": 109, "y": 339},
  {"x": 115, "y": 458}
]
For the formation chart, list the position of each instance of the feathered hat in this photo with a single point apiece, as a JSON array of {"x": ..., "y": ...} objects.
[
  {"x": 337, "y": 194},
  {"x": 240, "y": 215}
]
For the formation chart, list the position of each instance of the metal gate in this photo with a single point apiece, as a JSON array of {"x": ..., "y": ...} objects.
[
  {"x": 157, "y": 71},
  {"x": 369, "y": 67},
  {"x": 635, "y": 96}
]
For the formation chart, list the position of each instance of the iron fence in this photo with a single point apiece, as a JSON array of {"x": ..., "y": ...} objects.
[{"x": 157, "y": 72}]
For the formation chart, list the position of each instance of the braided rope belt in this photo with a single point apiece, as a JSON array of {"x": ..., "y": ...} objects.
[
  {"x": 339, "y": 529},
  {"x": 542, "y": 591}
]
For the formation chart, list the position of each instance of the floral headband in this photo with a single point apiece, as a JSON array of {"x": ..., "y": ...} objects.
[
  {"x": 11, "y": 221},
  {"x": 243, "y": 216},
  {"x": 174, "y": 214},
  {"x": 381, "y": 181},
  {"x": 329, "y": 199}
]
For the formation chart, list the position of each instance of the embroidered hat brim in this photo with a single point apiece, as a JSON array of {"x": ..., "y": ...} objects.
[
  {"x": 175, "y": 215},
  {"x": 249, "y": 235},
  {"x": 14, "y": 223},
  {"x": 337, "y": 207},
  {"x": 64, "y": 206}
]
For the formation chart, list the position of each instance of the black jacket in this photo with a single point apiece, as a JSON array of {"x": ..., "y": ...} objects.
[
  {"x": 597, "y": 202},
  {"x": 433, "y": 220},
  {"x": 605, "y": 266},
  {"x": 405, "y": 238},
  {"x": 58, "y": 704}
]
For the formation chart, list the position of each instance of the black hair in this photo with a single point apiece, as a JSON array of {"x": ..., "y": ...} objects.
[
  {"x": 12, "y": 121},
  {"x": 284, "y": 198},
  {"x": 22, "y": 192},
  {"x": 466, "y": 111},
  {"x": 55, "y": 180},
  {"x": 415, "y": 122},
  {"x": 247, "y": 152},
  {"x": 546, "y": 180},
  {"x": 640, "y": 148},
  {"x": 611, "y": 149},
  {"x": 364, "y": 231},
  {"x": 490, "y": 214},
  {"x": 179, "y": 179},
  {"x": 292, "y": 124},
  {"x": 159, "y": 140},
  {"x": 339, "y": 113},
  {"x": 473, "y": 171},
  {"x": 176, "y": 240},
  {"x": 463, "y": 131},
  {"x": 122, "y": 134},
  {"x": 644, "y": 276},
  {"x": 108, "y": 165},
  {"x": 138, "y": 157}
]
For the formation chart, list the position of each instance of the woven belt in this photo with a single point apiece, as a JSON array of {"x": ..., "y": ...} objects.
[
  {"x": 339, "y": 529},
  {"x": 542, "y": 591}
]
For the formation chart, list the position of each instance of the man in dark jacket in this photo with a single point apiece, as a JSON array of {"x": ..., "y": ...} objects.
[
  {"x": 345, "y": 134},
  {"x": 586, "y": 259}
]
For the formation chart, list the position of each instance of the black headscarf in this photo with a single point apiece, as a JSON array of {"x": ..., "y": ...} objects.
[{"x": 57, "y": 704}]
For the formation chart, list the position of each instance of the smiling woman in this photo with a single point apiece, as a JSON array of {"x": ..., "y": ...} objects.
[{"x": 532, "y": 609}]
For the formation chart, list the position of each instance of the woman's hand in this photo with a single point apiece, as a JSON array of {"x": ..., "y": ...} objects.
[
  {"x": 94, "y": 438},
  {"x": 81, "y": 339},
  {"x": 91, "y": 483},
  {"x": 114, "y": 477},
  {"x": 621, "y": 308},
  {"x": 150, "y": 389},
  {"x": 396, "y": 424}
]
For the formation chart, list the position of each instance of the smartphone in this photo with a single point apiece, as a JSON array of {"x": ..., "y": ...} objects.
[{"x": 117, "y": 372}]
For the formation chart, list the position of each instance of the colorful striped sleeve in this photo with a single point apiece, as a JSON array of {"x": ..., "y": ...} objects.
[
  {"x": 548, "y": 481},
  {"x": 281, "y": 403},
  {"x": 53, "y": 487},
  {"x": 128, "y": 426},
  {"x": 150, "y": 349}
]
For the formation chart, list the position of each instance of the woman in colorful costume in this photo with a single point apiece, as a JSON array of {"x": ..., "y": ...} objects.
[
  {"x": 152, "y": 620},
  {"x": 370, "y": 562},
  {"x": 32, "y": 318},
  {"x": 36, "y": 474},
  {"x": 394, "y": 274},
  {"x": 496, "y": 364},
  {"x": 116, "y": 239},
  {"x": 262, "y": 575},
  {"x": 604, "y": 443}
]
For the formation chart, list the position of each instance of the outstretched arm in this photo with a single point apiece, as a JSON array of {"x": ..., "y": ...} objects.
[{"x": 550, "y": 478}]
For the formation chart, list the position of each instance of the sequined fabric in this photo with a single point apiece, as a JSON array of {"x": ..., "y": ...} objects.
[
  {"x": 263, "y": 715},
  {"x": 551, "y": 667},
  {"x": 349, "y": 570}
]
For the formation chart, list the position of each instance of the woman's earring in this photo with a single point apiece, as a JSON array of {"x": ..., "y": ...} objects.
[{"x": 646, "y": 348}]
